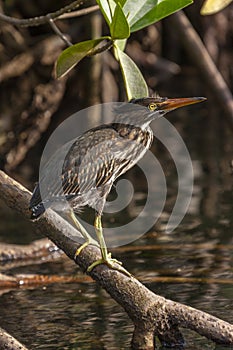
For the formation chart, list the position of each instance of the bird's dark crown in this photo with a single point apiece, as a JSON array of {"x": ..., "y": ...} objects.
[{"x": 152, "y": 103}]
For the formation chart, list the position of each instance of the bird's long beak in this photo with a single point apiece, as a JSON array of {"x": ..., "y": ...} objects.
[{"x": 173, "y": 103}]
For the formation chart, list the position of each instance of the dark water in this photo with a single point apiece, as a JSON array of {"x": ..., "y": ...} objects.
[{"x": 196, "y": 257}]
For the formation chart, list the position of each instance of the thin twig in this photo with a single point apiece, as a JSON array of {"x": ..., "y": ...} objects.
[
  {"x": 58, "y": 32},
  {"x": 36, "y": 21},
  {"x": 52, "y": 17},
  {"x": 79, "y": 13},
  {"x": 103, "y": 48}
]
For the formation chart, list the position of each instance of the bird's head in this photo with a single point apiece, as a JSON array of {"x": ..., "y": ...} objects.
[
  {"x": 163, "y": 105},
  {"x": 142, "y": 111}
]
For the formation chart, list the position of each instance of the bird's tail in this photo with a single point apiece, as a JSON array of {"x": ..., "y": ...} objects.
[
  {"x": 37, "y": 211},
  {"x": 36, "y": 204}
]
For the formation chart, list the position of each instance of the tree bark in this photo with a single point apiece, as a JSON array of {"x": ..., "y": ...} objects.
[
  {"x": 7, "y": 342},
  {"x": 152, "y": 315}
]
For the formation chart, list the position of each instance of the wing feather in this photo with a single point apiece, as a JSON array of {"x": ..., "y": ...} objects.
[{"x": 93, "y": 160}]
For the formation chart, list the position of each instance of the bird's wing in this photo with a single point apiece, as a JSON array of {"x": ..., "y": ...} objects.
[
  {"x": 92, "y": 160},
  {"x": 96, "y": 159}
]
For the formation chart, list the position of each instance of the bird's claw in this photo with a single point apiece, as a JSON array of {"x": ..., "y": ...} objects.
[
  {"x": 84, "y": 245},
  {"x": 110, "y": 262},
  {"x": 78, "y": 251}
]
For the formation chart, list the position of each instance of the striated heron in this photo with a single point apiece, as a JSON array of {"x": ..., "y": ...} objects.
[{"x": 97, "y": 158}]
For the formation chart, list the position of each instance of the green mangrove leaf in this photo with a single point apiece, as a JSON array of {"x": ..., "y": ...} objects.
[
  {"x": 142, "y": 13},
  {"x": 73, "y": 54},
  {"x": 105, "y": 9},
  {"x": 121, "y": 44},
  {"x": 134, "y": 82},
  {"x": 119, "y": 27}
]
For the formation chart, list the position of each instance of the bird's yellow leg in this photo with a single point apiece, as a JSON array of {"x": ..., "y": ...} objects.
[
  {"x": 106, "y": 257},
  {"x": 83, "y": 231}
]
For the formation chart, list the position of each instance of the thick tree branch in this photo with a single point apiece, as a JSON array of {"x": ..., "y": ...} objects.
[
  {"x": 7, "y": 342},
  {"x": 151, "y": 314}
]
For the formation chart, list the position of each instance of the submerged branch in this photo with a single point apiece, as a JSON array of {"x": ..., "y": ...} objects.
[
  {"x": 29, "y": 280},
  {"x": 40, "y": 248},
  {"x": 151, "y": 314}
]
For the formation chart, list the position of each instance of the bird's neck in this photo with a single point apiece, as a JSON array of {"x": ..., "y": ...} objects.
[{"x": 143, "y": 136}]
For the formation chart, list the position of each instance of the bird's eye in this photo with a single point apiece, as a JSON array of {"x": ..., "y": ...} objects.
[{"x": 152, "y": 106}]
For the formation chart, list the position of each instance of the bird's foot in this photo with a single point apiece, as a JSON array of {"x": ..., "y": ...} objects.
[
  {"x": 84, "y": 245},
  {"x": 110, "y": 262},
  {"x": 78, "y": 251}
]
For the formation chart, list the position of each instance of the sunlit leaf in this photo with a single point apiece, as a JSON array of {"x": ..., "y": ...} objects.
[
  {"x": 121, "y": 43},
  {"x": 136, "y": 9},
  {"x": 119, "y": 28},
  {"x": 134, "y": 82},
  {"x": 121, "y": 2},
  {"x": 105, "y": 9},
  {"x": 142, "y": 13},
  {"x": 212, "y": 6},
  {"x": 73, "y": 54}
]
